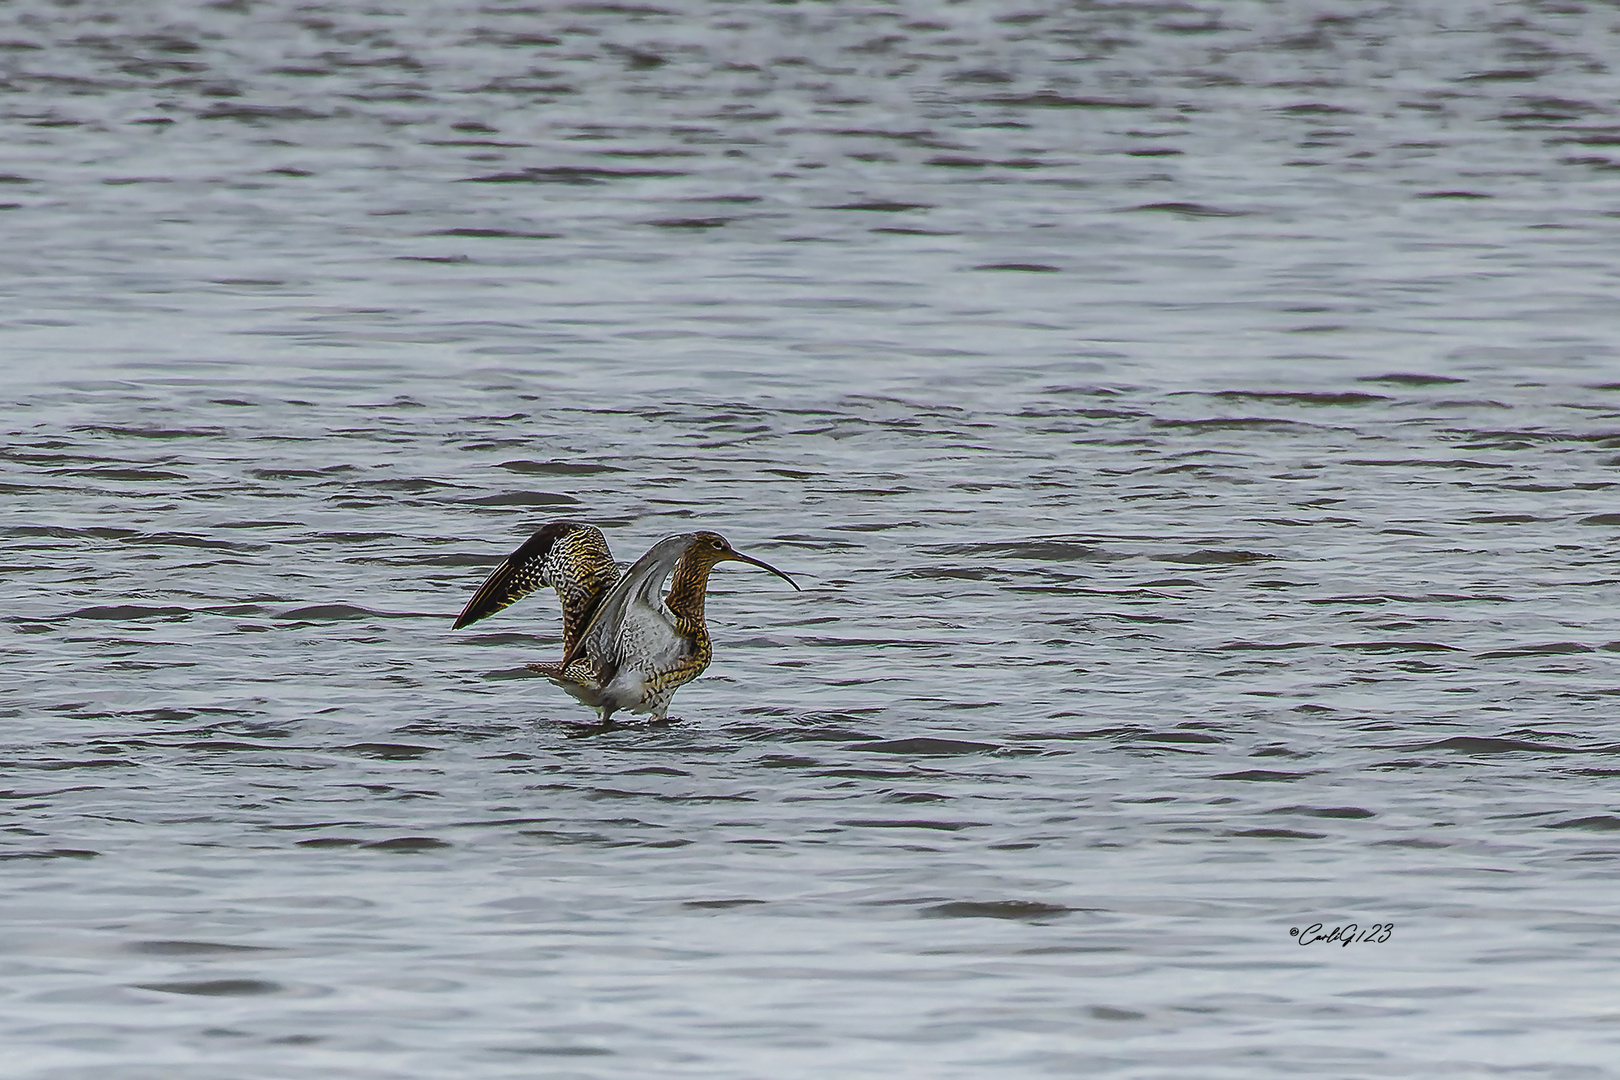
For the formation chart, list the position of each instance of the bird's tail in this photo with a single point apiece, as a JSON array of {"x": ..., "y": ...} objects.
[{"x": 578, "y": 678}]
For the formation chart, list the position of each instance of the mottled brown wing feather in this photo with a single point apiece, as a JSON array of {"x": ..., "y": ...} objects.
[
  {"x": 639, "y": 587},
  {"x": 570, "y": 557}
]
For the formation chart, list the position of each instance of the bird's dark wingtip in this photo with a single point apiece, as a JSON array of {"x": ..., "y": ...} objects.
[
  {"x": 493, "y": 595},
  {"x": 505, "y": 584}
]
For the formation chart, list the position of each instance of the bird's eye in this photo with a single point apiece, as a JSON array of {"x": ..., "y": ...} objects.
[{"x": 717, "y": 544}]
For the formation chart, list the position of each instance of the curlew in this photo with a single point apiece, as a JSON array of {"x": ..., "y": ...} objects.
[{"x": 627, "y": 645}]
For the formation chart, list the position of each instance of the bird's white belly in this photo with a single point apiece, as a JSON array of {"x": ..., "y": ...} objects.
[{"x": 647, "y": 645}]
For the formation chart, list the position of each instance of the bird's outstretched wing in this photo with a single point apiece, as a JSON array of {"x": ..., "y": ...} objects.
[
  {"x": 571, "y": 557},
  {"x": 629, "y": 620}
]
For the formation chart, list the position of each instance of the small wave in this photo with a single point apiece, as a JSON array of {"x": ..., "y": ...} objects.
[
  {"x": 1019, "y": 910},
  {"x": 1398, "y": 378},
  {"x": 523, "y": 498},
  {"x": 407, "y": 844},
  {"x": 1216, "y": 557},
  {"x": 390, "y": 751},
  {"x": 558, "y": 468},
  {"x": 1303, "y": 397},
  {"x": 1042, "y": 549},
  {"x": 1186, "y": 209},
  {"x": 923, "y": 746},
  {"x": 1395, "y": 646},
  {"x": 571, "y": 174},
  {"x": 1473, "y": 744},
  {"x": 128, "y": 613},
  {"x": 1556, "y": 648},
  {"x": 1350, "y": 812},
  {"x": 1594, "y": 823},
  {"x": 912, "y": 823},
  {"x": 50, "y": 853},
  {"x": 216, "y": 987},
  {"x": 1021, "y": 267},
  {"x": 191, "y": 948}
]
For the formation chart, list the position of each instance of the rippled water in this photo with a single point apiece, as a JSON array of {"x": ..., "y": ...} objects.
[{"x": 1195, "y": 425}]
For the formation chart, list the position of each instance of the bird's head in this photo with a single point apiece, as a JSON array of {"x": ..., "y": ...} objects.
[{"x": 710, "y": 548}]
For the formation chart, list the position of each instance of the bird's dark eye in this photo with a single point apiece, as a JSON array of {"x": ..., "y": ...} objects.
[{"x": 718, "y": 545}]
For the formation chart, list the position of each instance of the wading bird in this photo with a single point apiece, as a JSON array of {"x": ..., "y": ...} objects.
[{"x": 626, "y": 644}]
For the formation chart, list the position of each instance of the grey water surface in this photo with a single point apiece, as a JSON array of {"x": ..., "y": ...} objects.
[{"x": 1196, "y": 427}]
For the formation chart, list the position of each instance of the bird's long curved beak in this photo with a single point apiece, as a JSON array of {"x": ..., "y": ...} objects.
[{"x": 740, "y": 557}]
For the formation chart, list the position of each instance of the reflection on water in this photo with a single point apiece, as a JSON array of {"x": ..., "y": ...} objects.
[{"x": 1194, "y": 428}]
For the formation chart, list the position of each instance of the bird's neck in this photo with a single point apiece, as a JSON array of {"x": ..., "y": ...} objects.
[{"x": 687, "y": 585}]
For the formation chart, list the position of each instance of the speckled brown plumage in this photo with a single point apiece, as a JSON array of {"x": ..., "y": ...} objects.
[
  {"x": 570, "y": 557},
  {"x": 626, "y": 644}
]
